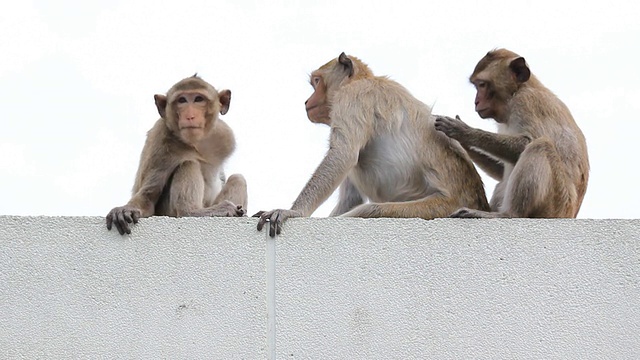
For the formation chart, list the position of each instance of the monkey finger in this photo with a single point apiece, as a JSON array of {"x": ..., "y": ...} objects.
[
  {"x": 272, "y": 229},
  {"x": 258, "y": 214},
  {"x": 441, "y": 121},
  {"x": 109, "y": 221},
  {"x": 127, "y": 229},
  {"x": 122, "y": 224},
  {"x": 126, "y": 214},
  {"x": 262, "y": 220},
  {"x": 123, "y": 227},
  {"x": 136, "y": 216},
  {"x": 120, "y": 228},
  {"x": 274, "y": 222}
]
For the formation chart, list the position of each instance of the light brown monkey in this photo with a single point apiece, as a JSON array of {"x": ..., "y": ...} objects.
[
  {"x": 180, "y": 171},
  {"x": 383, "y": 148},
  {"x": 539, "y": 155}
]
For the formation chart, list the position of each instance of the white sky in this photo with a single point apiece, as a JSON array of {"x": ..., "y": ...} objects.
[{"x": 77, "y": 81}]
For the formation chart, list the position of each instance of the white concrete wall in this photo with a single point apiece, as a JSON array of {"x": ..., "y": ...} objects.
[{"x": 324, "y": 289}]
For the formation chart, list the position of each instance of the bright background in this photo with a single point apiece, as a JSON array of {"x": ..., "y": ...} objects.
[{"x": 77, "y": 81}]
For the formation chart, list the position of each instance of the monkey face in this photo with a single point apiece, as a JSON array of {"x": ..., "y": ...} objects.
[
  {"x": 483, "y": 100},
  {"x": 191, "y": 111},
  {"x": 317, "y": 106}
]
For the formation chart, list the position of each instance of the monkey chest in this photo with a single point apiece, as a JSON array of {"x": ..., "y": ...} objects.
[
  {"x": 212, "y": 183},
  {"x": 384, "y": 175}
]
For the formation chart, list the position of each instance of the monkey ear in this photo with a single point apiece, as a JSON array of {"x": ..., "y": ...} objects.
[
  {"x": 225, "y": 101},
  {"x": 348, "y": 64},
  {"x": 161, "y": 104},
  {"x": 520, "y": 70}
]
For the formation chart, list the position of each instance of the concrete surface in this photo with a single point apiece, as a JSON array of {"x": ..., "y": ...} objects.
[{"x": 324, "y": 289}]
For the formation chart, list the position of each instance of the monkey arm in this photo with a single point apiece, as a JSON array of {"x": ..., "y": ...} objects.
[
  {"x": 145, "y": 199},
  {"x": 345, "y": 144},
  {"x": 504, "y": 147},
  {"x": 492, "y": 166},
  {"x": 141, "y": 204},
  {"x": 332, "y": 170},
  {"x": 152, "y": 175},
  {"x": 154, "y": 172},
  {"x": 350, "y": 197}
]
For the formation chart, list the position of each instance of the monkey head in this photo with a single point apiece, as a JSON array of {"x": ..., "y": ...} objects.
[
  {"x": 497, "y": 77},
  {"x": 191, "y": 108},
  {"x": 327, "y": 80}
]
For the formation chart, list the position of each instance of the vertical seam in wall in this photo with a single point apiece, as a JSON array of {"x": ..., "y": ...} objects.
[{"x": 271, "y": 296}]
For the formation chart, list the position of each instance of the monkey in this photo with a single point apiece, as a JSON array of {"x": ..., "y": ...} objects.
[
  {"x": 383, "y": 148},
  {"x": 181, "y": 166},
  {"x": 538, "y": 155}
]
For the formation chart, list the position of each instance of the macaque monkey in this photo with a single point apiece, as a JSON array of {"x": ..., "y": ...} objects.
[
  {"x": 180, "y": 171},
  {"x": 539, "y": 155},
  {"x": 383, "y": 148}
]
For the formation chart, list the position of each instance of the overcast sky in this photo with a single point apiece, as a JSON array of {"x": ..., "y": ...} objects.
[{"x": 78, "y": 78}]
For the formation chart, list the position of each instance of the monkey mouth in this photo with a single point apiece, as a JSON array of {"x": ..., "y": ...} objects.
[{"x": 190, "y": 127}]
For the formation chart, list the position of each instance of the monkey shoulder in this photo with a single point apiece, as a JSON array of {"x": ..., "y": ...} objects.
[
  {"x": 371, "y": 94},
  {"x": 220, "y": 144}
]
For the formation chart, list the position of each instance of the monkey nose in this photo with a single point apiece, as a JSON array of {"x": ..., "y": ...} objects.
[{"x": 306, "y": 101}]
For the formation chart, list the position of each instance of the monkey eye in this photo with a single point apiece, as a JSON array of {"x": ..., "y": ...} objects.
[
  {"x": 199, "y": 98},
  {"x": 182, "y": 99},
  {"x": 315, "y": 81},
  {"x": 481, "y": 84}
]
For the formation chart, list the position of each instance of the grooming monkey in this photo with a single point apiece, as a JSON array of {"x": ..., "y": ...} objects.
[
  {"x": 539, "y": 155},
  {"x": 180, "y": 171},
  {"x": 383, "y": 148}
]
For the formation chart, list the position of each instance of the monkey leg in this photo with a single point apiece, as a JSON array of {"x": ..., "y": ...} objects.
[
  {"x": 230, "y": 202},
  {"x": 186, "y": 192},
  {"x": 349, "y": 198},
  {"x": 430, "y": 207},
  {"x": 536, "y": 188},
  {"x": 538, "y": 185},
  {"x": 225, "y": 205},
  {"x": 234, "y": 190}
]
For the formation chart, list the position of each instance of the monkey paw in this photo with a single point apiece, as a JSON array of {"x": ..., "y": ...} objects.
[
  {"x": 122, "y": 216},
  {"x": 225, "y": 209},
  {"x": 465, "y": 213},
  {"x": 275, "y": 218},
  {"x": 453, "y": 128}
]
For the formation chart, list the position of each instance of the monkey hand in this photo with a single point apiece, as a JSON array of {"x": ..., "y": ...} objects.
[
  {"x": 122, "y": 216},
  {"x": 224, "y": 209},
  {"x": 453, "y": 128},
  {"x": 275, "y": 218}
]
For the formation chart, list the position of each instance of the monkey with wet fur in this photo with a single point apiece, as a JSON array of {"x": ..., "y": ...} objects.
[
  {"x": 539, "y": 155},
  {"x": 383, "y": 148},
  {"x": 180, "y": 171}
]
